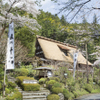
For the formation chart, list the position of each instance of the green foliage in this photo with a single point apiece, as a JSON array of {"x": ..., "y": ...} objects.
[
  {"x": 99, "y": 82},
  {"x": 31, "y": 87},
  {"x": 42, "y": 80},
  {"x": 55, "y": 78},
  {"x": 53, "y": 97},
  {"x": 21, "y": 72},
  {"x": 1, "y": 86},
  {"x": 57, "y": 90},
  {"x": 88, "y": 88},
  {"x": 20, "y": 79},
  {"x": 15, "y": 96},
  {"x": 50, "y": 83},
  {"x": 66, "y": 94},
  {"x": 11, "y": 85},
  {"x": 7, "y": 91},
  {"x": 27, "y": 38},
  {"x": 75, "y": 94},
  {"x": 31, "y": 72},
  {"x": 57, "y": 84},
  {"x": 51, "y": 26}
]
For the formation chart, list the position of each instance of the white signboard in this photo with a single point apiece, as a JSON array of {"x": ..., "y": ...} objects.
[
  {"x": 30, "y": 81},
  {"x": 75, "y": 59},
  {"x": 10, "y": 47}
]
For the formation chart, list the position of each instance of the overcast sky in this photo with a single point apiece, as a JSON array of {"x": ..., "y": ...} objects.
[{"x": 52, "y": 7}]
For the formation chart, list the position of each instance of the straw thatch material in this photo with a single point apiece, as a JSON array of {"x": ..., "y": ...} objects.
[
  {"x": 52, "y": 51},
  {"x": 97, "y": 63}
]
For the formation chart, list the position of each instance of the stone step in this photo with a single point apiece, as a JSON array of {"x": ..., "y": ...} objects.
[
  {"x": 35, "y": 97},
  {"x": 46, "y": 92},
  {"x": 28, "y": 94}
]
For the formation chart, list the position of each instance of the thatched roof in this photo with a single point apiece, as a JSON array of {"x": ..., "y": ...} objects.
[
  {"x": 51, "y": 50},
  {"x": 97, "y": 63}
]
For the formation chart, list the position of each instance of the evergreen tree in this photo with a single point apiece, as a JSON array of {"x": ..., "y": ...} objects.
[{"x": 63, "y": 20}]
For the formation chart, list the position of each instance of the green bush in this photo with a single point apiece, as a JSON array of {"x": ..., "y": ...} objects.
[
  {"x": 42, "y": 80},
  {"x": 55, "y": 78},
  {"x": 57, "y": 90},
  {"x": 23, "y": 72},
  {"x": 19, "y": 80},
  {"x": 7, "y": 91},
  {"x": 75, "y": 94},
  {"x": 31, "y": 87},
  {"x": 50, "y": 83},
  {"x": 57, "y": 84},
  {"x": 88, "y": 88},
  {"x": 53, "y": 97},
  {"x": 11, "y": 85},
  {"x": 99, "y": 82},
  {"x": 15, "y": 96},
  {"x": 66, "y": 94}
]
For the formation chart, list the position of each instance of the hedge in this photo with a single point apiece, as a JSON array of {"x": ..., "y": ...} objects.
[
  {"x": 57, "y": 90},
  {"x": 11, "y": 85},
  {"x": 53, "y": 97},
  {"x": 50, "y": 83},
  {"x": 19, "y": 80},
  {"x": 42, "y": 80},
  {"x": 31, "y": 87},
  {"x": 15, "y": 96}
]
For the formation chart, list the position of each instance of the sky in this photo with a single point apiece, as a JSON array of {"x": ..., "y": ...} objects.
[{"x": 52, "y": 7}]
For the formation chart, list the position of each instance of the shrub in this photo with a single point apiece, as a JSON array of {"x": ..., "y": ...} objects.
[
  {"x": 15, "y": 96},
  {"x": 11, "y": 85},
  {"x": 31, "y": 87},
  {"x": 42, "y": 80},
  {"x": 57, "y": 84},
  {"x": 88, "y": 88},
  {"x": 53, "y": 97},
  {"x": 50, "y": 83},
  {"x": 99, "y": 82},
  {"x": 7, "y": 90},
  {"x": 57, "y": 90},
  {"x": 66, "y": 94},
  {"x": 19, "y": 80},
  {"x": 23, "y": 72},
  {"x": 55, "y": 78},
  {"x": 75, "y": 94}
]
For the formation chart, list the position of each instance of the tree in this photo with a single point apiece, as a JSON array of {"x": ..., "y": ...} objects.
[
  {"x": 76, "y": 8},
  {"x": 8, "y": 13},
  {"x": 21, "y": 51},
  {"x": 63, "y": 20},
  {"x": 51, "y": 26}
]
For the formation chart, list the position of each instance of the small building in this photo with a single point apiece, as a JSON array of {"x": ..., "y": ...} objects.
[
  {"x": 55, "y": 52},
  {"x": 45, "y": 72}
]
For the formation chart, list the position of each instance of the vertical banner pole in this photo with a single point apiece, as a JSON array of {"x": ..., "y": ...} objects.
[
  {"x": 4, "y": 84},
  {"x": 75, "y": 63},
  {"x": 9, "y": 63}
]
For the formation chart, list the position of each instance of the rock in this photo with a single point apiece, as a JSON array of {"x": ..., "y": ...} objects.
[{"x": 61, "y": 96}]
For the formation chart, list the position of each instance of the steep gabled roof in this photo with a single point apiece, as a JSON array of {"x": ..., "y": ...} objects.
[{"x": 52, "y": 50}]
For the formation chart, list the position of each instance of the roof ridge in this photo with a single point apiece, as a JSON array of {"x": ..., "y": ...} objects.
[{"x": 66, "y": 44}]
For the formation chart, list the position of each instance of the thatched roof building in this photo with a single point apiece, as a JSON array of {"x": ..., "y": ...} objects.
[{"x": 54, "y": 50}]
